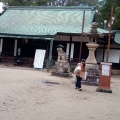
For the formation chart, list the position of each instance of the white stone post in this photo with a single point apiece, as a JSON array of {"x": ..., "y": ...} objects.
[
  {"x": 1, "y": 45},
  {"x": 67, "y": 48},
  {"x": 15, "y": 48},
  {"x": 72, "y": 50}
]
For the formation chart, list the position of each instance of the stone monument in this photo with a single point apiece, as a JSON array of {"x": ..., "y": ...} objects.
[
  {"x": 92, "y": 68},
  {"x": 61, "y": 67}
]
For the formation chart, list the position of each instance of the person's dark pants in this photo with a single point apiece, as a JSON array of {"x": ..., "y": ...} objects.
[{"x": 78, "y": 82}]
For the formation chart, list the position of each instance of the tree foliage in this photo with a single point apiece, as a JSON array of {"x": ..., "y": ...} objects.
[
  {"x": 51, "y": 2},
  {"x": 106, "y": 9},
  {"x": 41, "y": 2},
  {"x": 15, "y": 2},
  {"x": 105, "y": 12},
  {"x": 117, "y": 18}
]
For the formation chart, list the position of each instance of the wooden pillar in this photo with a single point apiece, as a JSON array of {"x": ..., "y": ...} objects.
[
  {"x": 1, "y": 45},
  {"x": 50, "y": 51},
  {"x": 80, "y": 55},
  {"x": 15, "y": 48},
  {"x": 67, "y": 48},
  {"x": 72, "y": 50},
  {"x": 103, "y": 52},
  {"x": 109, "y": 37},
  {"x": 70, "y": 47}
]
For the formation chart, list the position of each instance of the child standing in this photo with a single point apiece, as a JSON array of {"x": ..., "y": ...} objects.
[{"x": 79, "y": 75}]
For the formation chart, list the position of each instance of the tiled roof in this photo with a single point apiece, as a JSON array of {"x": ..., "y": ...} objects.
[{"x": 40, "y": 21}]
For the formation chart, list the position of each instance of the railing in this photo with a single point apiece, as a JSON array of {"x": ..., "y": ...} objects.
[
  {"x": 25, "y": 61},
  {"x": 7, "y": 60},
  {"x": 16, "y": 61}
]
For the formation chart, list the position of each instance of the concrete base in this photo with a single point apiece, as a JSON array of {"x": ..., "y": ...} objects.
[
  {"x": 49, "y": 64},
  {"x": 103, "y": 90},
  {"x": 61, "y": 68}
]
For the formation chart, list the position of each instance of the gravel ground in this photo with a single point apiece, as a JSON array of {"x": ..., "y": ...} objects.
[{"x": 28, "y": 94}]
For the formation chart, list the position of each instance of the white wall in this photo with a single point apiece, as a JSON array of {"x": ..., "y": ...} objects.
[{"x": 114, "y": 55}]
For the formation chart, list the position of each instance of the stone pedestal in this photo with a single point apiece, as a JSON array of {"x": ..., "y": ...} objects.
[
  {"x": 91, "y": 67},
  {"x": 93, "y": 74},
  {"x": 91, "y": 57},
  {"x": 61, "y": 68}
]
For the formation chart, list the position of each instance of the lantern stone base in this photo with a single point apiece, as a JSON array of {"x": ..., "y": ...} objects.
[
  {"x": 61, "y": 68},
  {"x": 93, "y": 74}
]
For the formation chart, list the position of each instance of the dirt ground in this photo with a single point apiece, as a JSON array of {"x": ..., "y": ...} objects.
[{"x": 24, "y": 95}]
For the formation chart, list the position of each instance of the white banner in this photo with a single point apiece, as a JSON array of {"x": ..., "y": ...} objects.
[{"x": 39, "y": 58}]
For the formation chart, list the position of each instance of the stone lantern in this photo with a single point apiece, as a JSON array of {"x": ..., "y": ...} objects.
[
  {"x": 92, "y": 45},
  {"x": 92, "y": 68}
]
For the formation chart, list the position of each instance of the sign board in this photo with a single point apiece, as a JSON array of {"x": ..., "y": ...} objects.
[
  {"x": 105, "y": 75},
  {"x": 39, "y": 58},
  {"x": 105, "y": 70}
]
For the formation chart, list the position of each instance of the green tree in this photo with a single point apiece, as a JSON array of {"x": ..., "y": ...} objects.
[
  {"x": 117, "y": 18},
  {"x": 26, "y": 2},
  {"x": 105, "y": 12},
  {"x": 42, "y": 2},
  {"x": 84, "y": 2},
  {"x": 15, "y": 2},
  {"x": 54, "y": 2}
]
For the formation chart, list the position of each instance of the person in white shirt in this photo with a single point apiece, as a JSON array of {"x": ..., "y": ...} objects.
[{"x": 79, "y": 71}]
